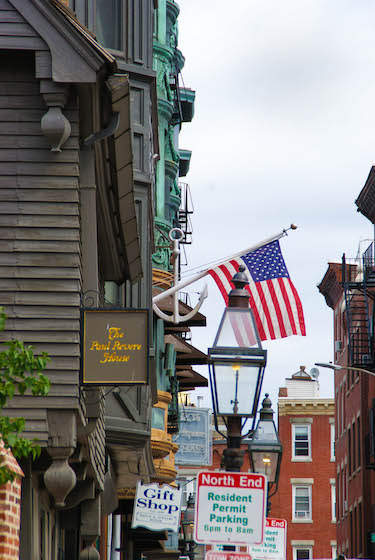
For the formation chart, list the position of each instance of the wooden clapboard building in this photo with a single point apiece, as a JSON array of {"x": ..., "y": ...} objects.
[{"x": 77, "y": 133}]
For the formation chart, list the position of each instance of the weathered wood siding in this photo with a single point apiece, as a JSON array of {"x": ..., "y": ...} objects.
[
  {"x": 40, "y": 252},
  {"x": 15, "y": 32}
]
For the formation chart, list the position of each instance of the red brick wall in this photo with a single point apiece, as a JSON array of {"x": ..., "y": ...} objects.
[
  {"x": 321, "y": 530},
  {"x": 10, "y": 509}
]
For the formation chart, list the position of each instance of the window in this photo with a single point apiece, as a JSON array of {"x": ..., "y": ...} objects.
[
  {"x": 84, "y": 12},
  {"x": 333, "y": 502},
  {"x": 349, "y": 451},
  {"x": 104, "y": 18},
  {"x": 301, "y": 435},
  {"x": 333, "y": 453},
  {"x": 301, "y": 502},
  {"x": 359, "y": 441},
  {"x": 334, "y": 552},
  {"x": 344, "y": 490},
  {"x": 109, "y": 23},
  {"x": 342, "y": 409},
  {"x": 302, "y": 553}
]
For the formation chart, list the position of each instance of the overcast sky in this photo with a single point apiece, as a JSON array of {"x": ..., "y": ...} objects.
[{"x": 284, "y": 131}]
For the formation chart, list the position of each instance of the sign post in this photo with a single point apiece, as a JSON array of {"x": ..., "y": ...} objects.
[
  {"x": 274, "y": 544},
  {"x": 230, "y": 507}
]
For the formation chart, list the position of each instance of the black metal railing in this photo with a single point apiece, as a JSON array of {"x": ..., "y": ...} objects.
[
  {"x": 368, "y": 260},
  {"x": 184, "y": 214},
  {"x": 357, "y": 281}
]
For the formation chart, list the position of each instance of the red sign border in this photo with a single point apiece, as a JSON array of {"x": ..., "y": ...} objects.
[{"x": 236, "y": 475}]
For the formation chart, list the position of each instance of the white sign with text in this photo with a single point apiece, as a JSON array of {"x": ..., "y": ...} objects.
[
  {"x": 274, "y": 544},
  {"x": 230, "y": 507},
  {"x": 157, "y": 508}
]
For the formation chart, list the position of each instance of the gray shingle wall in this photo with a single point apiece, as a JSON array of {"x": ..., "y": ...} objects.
[{"x": 40, "y": 259}]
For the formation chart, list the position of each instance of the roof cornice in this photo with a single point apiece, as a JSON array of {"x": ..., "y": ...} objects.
[{"x": 306, "y": 406}]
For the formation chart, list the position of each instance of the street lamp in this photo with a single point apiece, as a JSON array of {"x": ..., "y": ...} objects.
[
  {"x": 265, "y": 448},
  {"x": 336, "y": 367},
  {"x": 187, "y": 524},
  {"x": 237, "y": 363},
  {"x": 236, "y": 367}
]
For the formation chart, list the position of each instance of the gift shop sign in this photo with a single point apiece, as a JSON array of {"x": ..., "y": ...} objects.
[
  {"x": 230, "y": 507},
  {"x": 274, "y": 544},
  {"x": 114, "y": 347},
  {"x": 157, "y": 508}
]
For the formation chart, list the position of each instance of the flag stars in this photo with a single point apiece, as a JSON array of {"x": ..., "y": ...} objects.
[{"x": 266, "y": 263}]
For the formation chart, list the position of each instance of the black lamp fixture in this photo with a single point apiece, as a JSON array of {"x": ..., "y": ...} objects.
[
  {"x": 187, "y": 524},
  {"x": 237, "y": 363},
  {"x": 265, "y": 448},
  {"x": 236, "y": 367},
  {"x": 236, "y": 360}
]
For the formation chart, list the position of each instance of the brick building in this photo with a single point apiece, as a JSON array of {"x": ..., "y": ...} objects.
[
  {"x": 10, "y": 508},
  {"x": 349, "y": 290},
  {"x": 306, "y": 495}
]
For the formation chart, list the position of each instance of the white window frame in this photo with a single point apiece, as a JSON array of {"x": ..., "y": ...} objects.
[
  {"x": 333, "y": 502},
  {"x": 294, "y": 517},
  {"x": 333, "y": 454},
  {"x": 301, "y": 457},
  {"x": 302, "y": 547},
  {"x": 334, "y": 552}
]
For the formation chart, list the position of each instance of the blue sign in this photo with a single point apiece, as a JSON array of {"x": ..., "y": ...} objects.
[{"x": 194, "y": 437}]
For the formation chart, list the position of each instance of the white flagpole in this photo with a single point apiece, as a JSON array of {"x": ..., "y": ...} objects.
[{"x": 200, "y": 275}]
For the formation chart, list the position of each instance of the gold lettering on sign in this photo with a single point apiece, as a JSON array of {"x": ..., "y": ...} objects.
[
  {"x": 113, "y": 358},
  {"x": 108, "y": 348},
  {"x": 97, "y": 346},
  {"x": 115, "y": 332}
]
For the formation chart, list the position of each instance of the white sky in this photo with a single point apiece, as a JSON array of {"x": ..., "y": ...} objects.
[{"x": 284, "y": 131}]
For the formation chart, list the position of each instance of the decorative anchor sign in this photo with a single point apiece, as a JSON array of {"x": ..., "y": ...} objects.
[{"x": 176, "y": 235}]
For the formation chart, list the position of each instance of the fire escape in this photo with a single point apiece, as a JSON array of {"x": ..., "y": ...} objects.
[{"x": 359, "y": 290}]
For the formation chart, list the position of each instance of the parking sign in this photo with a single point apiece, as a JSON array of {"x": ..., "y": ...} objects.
[{"x": 230, "y": 507}]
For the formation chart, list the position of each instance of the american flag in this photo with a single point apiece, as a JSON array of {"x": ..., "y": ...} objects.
[{"x": 274, "y": 300}]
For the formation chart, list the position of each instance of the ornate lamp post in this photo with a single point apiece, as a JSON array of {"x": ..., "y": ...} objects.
[
  {"x": 236, "y": 366},
  {"x": 189, "y": 545},
  {"x": 265, "y": 449}
]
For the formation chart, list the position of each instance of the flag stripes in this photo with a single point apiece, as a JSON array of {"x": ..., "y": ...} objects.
[{"x": 274, "y": 299}]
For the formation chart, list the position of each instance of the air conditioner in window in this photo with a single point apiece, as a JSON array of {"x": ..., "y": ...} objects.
[
  {"x": 345, "y": 505},
  {"x": 301, "y": 514},
  {"x": 338, "y": 345}
]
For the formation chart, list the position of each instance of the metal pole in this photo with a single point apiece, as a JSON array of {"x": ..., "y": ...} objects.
[{"x": 200, "y": 275}]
